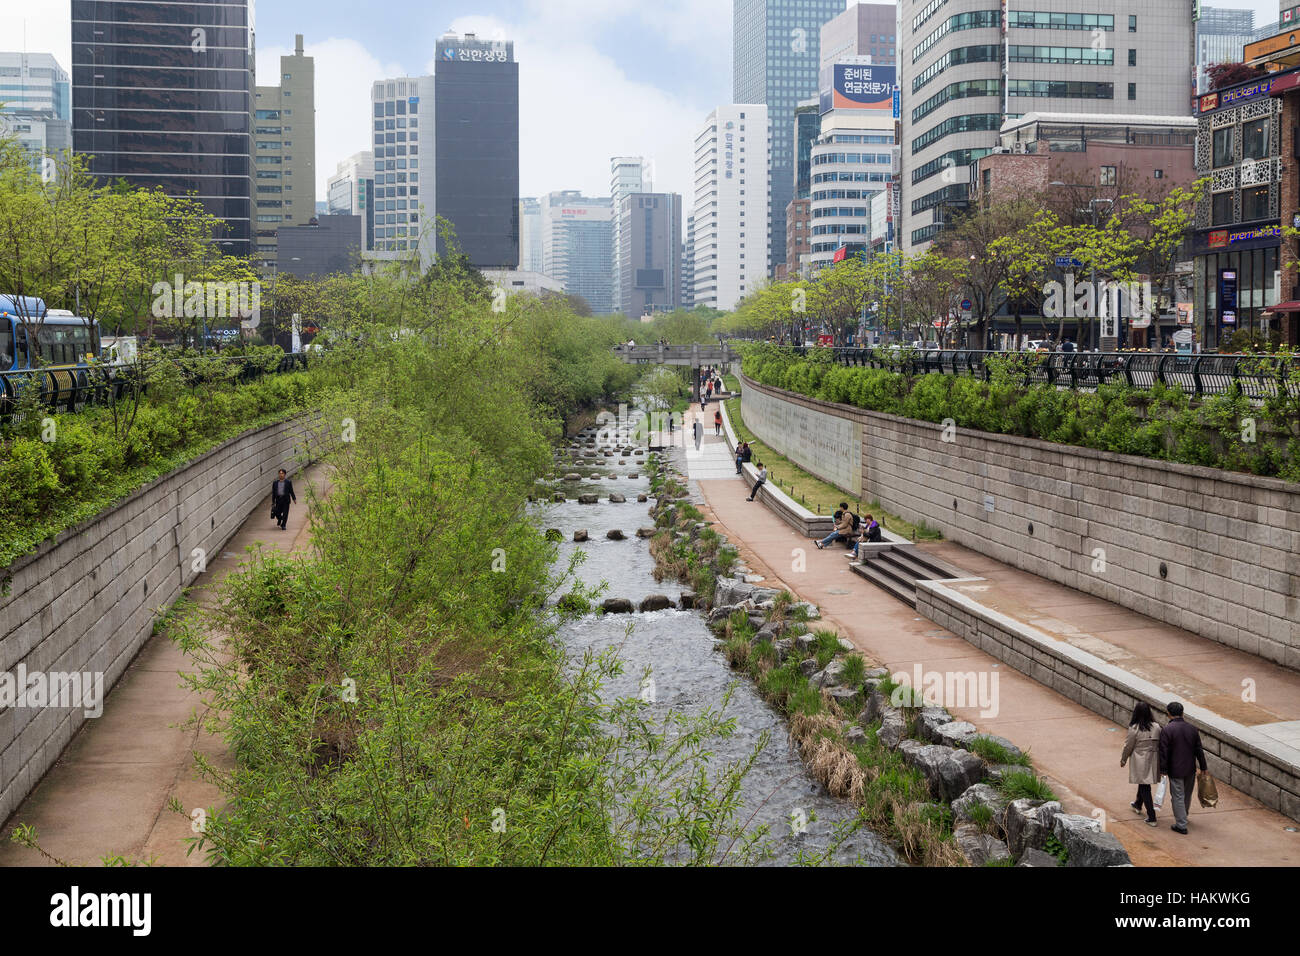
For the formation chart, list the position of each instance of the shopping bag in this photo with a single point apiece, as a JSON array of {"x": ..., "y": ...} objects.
[
  {"x": 1159, "y": 798},
  {"x": 1206, "y": 792}
]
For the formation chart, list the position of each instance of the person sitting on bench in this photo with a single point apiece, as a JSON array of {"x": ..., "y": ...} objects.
[
  {"x": 870, "y": 534},
  {"x": 843, "y": 527}
]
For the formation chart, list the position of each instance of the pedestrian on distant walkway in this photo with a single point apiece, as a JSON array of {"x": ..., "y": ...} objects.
[
  {"x": 762, "y": 480},
  {"x": 699, "y": 433},
  {"x": 717, "y": 422},
  {"x": 1143, "y": 745},
  {"x": 1180, "y": 753},
  {"x": 281, "y": 495},
  {"x": 740, "y": 457}
]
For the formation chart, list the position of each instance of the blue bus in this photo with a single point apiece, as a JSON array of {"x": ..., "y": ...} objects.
[{"x": 60, "y": 351}]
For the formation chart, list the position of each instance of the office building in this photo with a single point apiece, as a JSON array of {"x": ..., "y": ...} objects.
[
  {"x": 403, "y": 203},
  {"x": 650, "y": 254},
  {"x": 577, "y": 233},
  {"x": 807, "y": 127},
  {"x": 863, "y": 30},
  {"x": 688, "y": 264},
  {"x": 284, "y": 152},
  {"x": 732, "y": 226},
  {"x": 320, "y": 247},
  {"x": 477, "y": 147},
  {"x": 36, "y": 103},
  {"x": 1220, "y": 36},
  {"x": 1112, "y": 58},
  {"x": 627, "y": 175},
  {"x": 775, "y": 61},
  {"x": 162, "y": 96},
  {"x": 798, "y": 236},
  {"x": 349, "y": 192},
  {"x": 530, "y": 235}
]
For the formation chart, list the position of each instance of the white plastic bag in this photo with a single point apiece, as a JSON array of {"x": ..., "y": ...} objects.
[{"x": 1159, "y": 798}]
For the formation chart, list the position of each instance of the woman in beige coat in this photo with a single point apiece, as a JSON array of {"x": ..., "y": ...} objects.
[{"x": 1143, "y": 746}]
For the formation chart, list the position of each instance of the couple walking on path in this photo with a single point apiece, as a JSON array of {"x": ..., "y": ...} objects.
[{"x": 1173, "y": 751}]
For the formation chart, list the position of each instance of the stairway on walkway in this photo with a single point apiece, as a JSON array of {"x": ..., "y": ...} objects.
[{"x": 897, "y": 567}]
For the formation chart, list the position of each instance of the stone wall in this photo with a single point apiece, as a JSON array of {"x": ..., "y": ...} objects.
[
  {"x": 1214, "y": 552},
  {"x": 86, "y": 601}
]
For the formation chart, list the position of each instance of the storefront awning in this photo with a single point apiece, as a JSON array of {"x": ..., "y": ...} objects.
[
  {"x": 1284, "y": 84},
  {"x": 1293, "y": 306}
]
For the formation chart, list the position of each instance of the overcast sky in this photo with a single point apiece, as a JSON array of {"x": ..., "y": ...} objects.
[{"x": 598, "y": 78}]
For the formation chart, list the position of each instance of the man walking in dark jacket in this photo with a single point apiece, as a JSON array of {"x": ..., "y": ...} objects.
[
  {"x": 281, "y": 495},
  {"x": 1180, "y": 753}
]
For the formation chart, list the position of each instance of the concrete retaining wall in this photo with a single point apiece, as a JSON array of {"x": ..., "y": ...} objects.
[
  {"x": 1248, "y": 760},
  {"x": 1214, "y": 552},
  {"x": 87, "y": 600}
]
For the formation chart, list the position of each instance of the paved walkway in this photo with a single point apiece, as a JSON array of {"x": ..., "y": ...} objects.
[
  {"x": 108, "y": 793},
  {"x": 1077, "y": 750}
]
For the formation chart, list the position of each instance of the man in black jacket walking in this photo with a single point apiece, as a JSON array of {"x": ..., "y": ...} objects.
[
  {"x": 281, "y": 495},
  {"x": 1180, "y": 753}
]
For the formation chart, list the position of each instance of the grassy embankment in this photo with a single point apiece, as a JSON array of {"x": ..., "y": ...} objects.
[{"x": 816, "y": 495}]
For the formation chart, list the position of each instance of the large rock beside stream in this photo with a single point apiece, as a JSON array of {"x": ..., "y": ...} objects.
[
  {"x": 615, "y": 535},
  {"x": 655, "y": 602},
  {"x": 948, "y": 772},
  {"x": 617, "y": 606},
  {"x": 978, "y": 847},
  {"x": 579, "y": 536},
  {"x": 1028, "y": 823},
  {"x": 588, "y": 499}
]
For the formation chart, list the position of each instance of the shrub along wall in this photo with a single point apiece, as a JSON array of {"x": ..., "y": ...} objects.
[
  {"x": 1211, "y": 551},
  {"x": 86, "y": 601}
]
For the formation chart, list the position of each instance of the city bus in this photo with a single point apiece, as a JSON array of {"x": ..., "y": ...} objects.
[{"x": 60, "y": 352}]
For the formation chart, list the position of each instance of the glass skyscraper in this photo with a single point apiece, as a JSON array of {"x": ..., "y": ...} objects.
[
  {"x": 476, "y": 170},
  {"x": 776, "y": 60},
  {"x": 162, "y": 96}
]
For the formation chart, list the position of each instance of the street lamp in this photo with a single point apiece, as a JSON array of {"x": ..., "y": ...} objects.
[{"x": 1094, "y": 329}]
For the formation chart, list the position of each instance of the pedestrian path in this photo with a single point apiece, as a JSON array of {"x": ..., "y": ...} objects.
[
  {"x": 714, "y": 460},
  {"x": 108, "y": 793},
  {"x": 1074, "y": 748}
]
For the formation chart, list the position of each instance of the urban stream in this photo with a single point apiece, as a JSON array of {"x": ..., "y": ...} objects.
[{"x": 689, "y": 671}]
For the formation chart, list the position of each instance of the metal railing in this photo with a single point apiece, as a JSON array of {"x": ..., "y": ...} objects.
[
  {"x": 71, "y": 388},
  {"x": 1258, "y": 376}
]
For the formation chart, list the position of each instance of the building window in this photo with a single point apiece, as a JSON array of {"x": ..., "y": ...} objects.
[
  {"x": 1254, "y": 203},
  {"x": 1159, "y": 174},
  {"x": 1221, "y": 212},
  {"x": 1133, "y": 23},
  {"x": 1223, "y": 147},
  {"x": 1132, "y": 57},
  {"x": 1132, "y": 91},
  {"x": 1254, "y": 139},
  {"x": 1108, "y": 175}
]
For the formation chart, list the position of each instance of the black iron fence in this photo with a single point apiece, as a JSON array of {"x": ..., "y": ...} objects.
[
  {"x": 1258, "y": 376},
  {"x": 70, "y": 388}
]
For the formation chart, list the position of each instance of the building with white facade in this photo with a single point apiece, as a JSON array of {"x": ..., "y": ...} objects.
[
  {"x": 688, "y": 264},
  {"x": 577, "y": 235},
  {"x": 853, "y": 159},
  {"x": 530, "y": 235},
  {"x": 349, "y": 191},
  {"x": 35, "y": 102},
  {"x": 402, "y": 130},
  {"x": 627, "y": 175},
  {"x": 732, "y": 226}
]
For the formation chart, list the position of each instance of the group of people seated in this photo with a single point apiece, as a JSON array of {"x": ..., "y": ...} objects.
[{"x": 853, "y": 530}]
